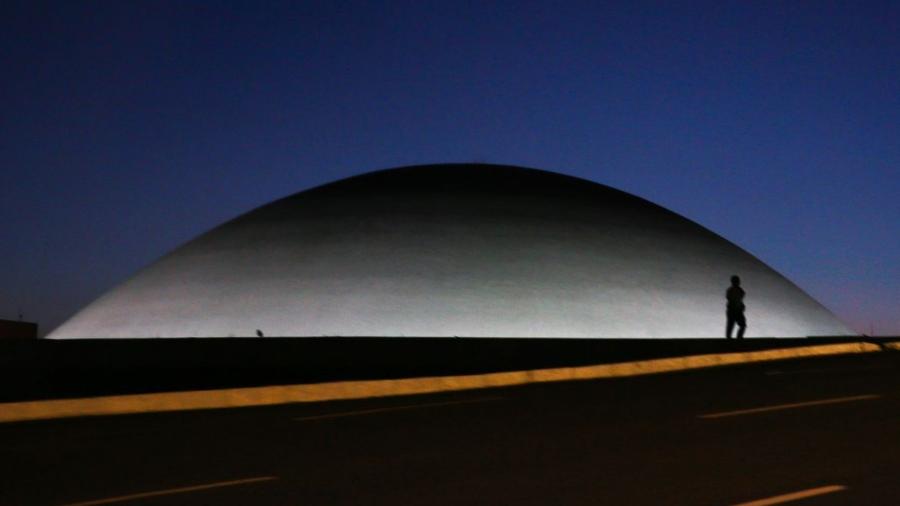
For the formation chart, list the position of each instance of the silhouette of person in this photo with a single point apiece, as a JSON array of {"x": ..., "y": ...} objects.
[{"x": 734, "y": 311}]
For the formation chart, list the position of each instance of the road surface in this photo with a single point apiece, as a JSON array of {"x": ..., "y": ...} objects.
[{"x": 819, "y": 431}]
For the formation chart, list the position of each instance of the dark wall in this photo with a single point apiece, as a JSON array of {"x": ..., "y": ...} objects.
[
  {"x": 10, "y": 329},
  {"x": 42, "y": 368}
]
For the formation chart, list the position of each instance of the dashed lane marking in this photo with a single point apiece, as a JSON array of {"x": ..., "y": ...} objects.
[
  {"x": 794, "y": 496},
  {"x": 172, "y": 491},
  {"x": 394, "y": 408},
  {"x": 795, "y": 405}
]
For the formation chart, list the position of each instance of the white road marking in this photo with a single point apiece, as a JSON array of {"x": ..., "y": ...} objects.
[
  {"x": 794, "y": 496},
  {"x": 171, "y": 491},
  {"x": 795, "y": 405},
  {"x": 395, "y": 408}
]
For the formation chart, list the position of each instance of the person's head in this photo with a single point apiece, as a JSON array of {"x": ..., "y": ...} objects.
[{"x": 735, "y": 281}]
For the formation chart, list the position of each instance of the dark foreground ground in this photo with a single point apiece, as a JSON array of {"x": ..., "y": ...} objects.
[
  {"x": 46, "y": 369},
  {"x": 640, "y": 440}
]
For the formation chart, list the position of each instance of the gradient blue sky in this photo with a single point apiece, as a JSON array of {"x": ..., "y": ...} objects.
[{"x": 130, "y": 127}]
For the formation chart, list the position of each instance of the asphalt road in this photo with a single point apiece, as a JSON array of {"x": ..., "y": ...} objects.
[{"x": 826, "y": 426}]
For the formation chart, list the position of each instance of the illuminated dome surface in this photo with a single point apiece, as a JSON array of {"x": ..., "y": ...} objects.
[{"x": 453, "y": 250}]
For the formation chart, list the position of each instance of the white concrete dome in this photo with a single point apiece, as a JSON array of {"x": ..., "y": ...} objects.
[{"x": 453, "y": 250}]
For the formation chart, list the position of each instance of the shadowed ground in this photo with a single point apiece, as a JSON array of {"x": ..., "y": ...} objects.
[
  {"x": 44, "y": 369},
  {"x": 640, "y": 440}
]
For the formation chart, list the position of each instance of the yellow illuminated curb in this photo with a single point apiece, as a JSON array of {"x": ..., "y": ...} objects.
[{"x": 345, "y": 390}]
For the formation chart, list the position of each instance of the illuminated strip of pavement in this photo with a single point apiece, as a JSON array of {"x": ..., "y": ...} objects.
[
  {"x": 172, "y": 491},
  {"x": 368, "y": 389},
  {"x": 795, "y": 405},
  {"x": 794, "y": 496},
  {"x": 394, "y": 408}
]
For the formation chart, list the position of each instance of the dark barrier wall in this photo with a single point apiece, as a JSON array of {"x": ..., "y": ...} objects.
[
  {"x": 41, "y": 369},
  {"x": 11, "y": 329}
]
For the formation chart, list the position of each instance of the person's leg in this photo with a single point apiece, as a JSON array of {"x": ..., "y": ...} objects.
[
  {"x": 742, "y": 326},
  {"x": 729, "y": 326}
]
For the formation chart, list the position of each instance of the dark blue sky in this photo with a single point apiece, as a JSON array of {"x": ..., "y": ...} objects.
[{"x": 130, "y": 127}]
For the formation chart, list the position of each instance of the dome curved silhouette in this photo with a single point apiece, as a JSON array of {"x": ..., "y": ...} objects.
[{"x": 453, "y": 250}]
